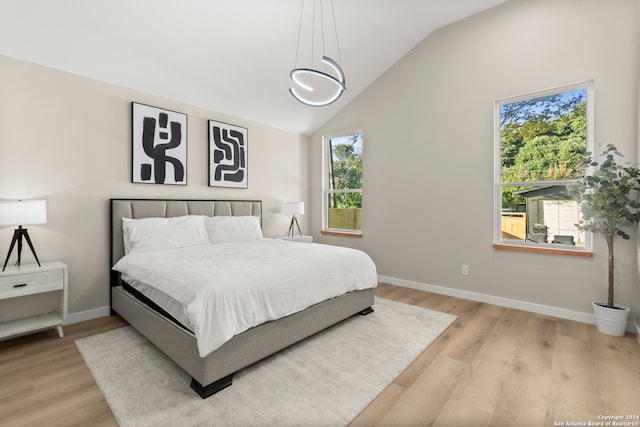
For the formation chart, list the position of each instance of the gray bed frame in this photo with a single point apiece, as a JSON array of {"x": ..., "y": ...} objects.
[{"x": 215, "y": 372}]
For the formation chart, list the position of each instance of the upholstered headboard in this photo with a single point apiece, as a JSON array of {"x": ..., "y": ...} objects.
[{"x": 145, "y": 208}]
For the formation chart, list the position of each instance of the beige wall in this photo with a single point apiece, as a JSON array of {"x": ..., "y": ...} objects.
[
  {"x": 67, "y": 139},
  {"x": 428, "y": 153}
]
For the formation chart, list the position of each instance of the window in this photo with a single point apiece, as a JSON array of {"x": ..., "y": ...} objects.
[
  {"x": 342, "y": 183},
  {"x": 540, "y": 140}
]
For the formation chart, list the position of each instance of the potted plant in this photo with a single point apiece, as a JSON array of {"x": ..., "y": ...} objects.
[{"x": 608, "y": 204}]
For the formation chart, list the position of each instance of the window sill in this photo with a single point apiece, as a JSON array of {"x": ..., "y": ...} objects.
[
  {"x": 341, "y": 233},
  {"x": 543, "y": 250}
]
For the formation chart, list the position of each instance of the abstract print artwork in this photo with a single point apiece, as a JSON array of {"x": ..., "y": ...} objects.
[
  {"x": 227, "y": 155},
  {"x": 159, "y": 146}
]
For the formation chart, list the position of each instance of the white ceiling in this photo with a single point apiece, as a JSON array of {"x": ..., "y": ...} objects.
[{"x": 231, "y": 56}]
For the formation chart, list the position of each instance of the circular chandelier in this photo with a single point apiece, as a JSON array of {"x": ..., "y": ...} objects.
[{"x": 312, "y": 86}]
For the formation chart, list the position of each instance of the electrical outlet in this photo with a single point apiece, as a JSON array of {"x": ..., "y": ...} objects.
[{"x": 465, "y": 270}]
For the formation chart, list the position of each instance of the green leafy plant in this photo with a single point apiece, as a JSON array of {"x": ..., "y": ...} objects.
[{"x": 608, "y": 201}]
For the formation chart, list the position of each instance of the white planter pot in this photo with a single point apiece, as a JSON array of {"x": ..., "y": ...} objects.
[{"x": 611, "y": 321}]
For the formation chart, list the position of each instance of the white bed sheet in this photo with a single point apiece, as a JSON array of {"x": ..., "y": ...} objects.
[{"x": 221, "y": 290}]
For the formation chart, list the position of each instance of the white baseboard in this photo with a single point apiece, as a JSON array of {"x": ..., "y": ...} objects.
[
  {"x": 87, "y": 315},
  {"x": 473, "y": 296},
  {"x": 503, "y": 302}
]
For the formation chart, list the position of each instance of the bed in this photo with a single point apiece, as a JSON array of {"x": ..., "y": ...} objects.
[{"x": 212, "y": 368}]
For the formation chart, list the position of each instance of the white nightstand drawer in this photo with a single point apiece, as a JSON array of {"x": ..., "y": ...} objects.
[
  {"x": 31, "y": 283},
  {"x": 25, "y": 281}
]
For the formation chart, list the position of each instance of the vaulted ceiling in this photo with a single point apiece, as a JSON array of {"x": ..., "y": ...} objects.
[{"x": 231, "y": 56}]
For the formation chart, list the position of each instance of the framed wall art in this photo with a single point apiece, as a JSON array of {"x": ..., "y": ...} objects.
[
  {"x": 227, "y": 155},
  {"x": 159, "y": 146}
]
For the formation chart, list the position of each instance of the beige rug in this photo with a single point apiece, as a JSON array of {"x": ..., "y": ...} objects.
[{"x": 326, "y": 380}]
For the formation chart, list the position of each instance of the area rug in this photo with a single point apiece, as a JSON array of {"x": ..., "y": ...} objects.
[{"x": 326, "y": 380}]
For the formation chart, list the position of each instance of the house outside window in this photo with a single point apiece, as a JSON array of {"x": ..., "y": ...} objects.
[
  {"x": 540, "y": 140},
  {"x": 342, "y": 183}
]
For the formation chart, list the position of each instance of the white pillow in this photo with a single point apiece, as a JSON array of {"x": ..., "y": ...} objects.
[
  {"x": 152, "y": 234},
  {"x": 223, "y": 229}
]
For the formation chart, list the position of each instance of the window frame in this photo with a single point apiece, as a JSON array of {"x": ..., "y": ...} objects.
[
  {"x": 326, "y": 185},
  {"x": 498, "y": 241}
]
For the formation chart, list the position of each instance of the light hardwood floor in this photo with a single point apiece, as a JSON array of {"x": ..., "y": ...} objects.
[{"x": 493, "y": 367}]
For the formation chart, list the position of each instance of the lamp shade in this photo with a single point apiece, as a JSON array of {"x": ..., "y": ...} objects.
[
  {"x": 23, "y": 212},
  {"x": 294, "y": 208}
]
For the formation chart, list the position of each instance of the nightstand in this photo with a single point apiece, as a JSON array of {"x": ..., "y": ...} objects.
[
  {"x": 303, "y": 239},
  {"x": 20, "y": 282}
]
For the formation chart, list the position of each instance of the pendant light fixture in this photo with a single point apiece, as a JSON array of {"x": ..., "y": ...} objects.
[{"x": 322, "y": 81}]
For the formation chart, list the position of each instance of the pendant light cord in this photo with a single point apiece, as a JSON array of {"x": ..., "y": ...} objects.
[
  {"x": 295, "y": 62},
  {"x": 335, "y": 30},
  {"x": 313, "y": 31}
]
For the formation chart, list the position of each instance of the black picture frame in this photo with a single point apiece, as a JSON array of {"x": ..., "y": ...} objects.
[
  {"x": 159, "y": 145},
  {"x": 228, "y": 155}
]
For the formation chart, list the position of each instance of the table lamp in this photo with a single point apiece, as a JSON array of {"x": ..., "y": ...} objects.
[
  {"x": 294, "y": 208},
  {"x": 22, "y": 212}
]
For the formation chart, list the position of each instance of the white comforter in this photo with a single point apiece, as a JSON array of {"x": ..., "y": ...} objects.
[{"x": 221, "y": 290}]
